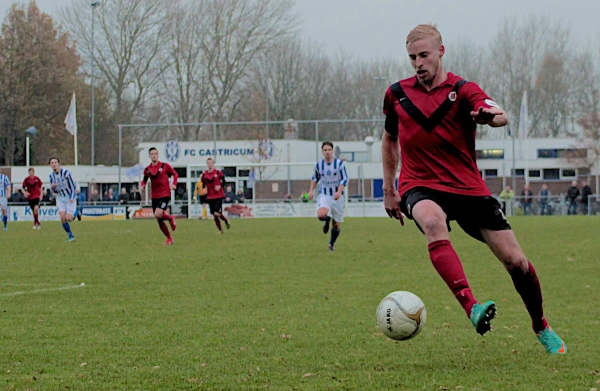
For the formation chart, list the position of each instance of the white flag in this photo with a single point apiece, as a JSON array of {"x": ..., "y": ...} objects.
[
  {"x": 71, "y": 119},
  {"x": 522, "y": 133}
]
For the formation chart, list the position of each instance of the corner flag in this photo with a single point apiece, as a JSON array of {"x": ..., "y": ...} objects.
[{"x": 71, "y": 125}]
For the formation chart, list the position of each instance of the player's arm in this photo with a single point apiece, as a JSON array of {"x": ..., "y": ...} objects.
[
  {"x": 24, "y": 189},
  {"x": 72, "y": 187},
  {"x": 313, "y": 182},
  {"x": 8, "y": 192},
  {"x": 390, "y": 158},
  {"x": 145, "y": 180},
  {"x": 41, "y": 188},
  {"x": 485, "y": 110},
  {"x": 173, "y": 173},
  {"x": 343, "y": 182}
]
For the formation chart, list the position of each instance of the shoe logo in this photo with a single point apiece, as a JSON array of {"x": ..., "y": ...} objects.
[{"x": 562, "y": 348}]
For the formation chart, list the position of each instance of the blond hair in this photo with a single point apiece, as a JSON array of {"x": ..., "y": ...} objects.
[{"x": 424, "y": 31}]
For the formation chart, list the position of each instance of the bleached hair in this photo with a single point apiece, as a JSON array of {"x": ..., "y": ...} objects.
[{"x": 424, "y": 31}]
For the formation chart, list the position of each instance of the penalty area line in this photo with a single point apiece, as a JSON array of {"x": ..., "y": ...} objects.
[{"x": 62, "y": 288}]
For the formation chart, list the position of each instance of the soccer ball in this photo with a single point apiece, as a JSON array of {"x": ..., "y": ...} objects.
[{"x": 401, "y": 315}]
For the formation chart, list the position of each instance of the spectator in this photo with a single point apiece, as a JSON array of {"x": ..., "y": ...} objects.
[
  {"x": 17, "y": 197},
  {"x": 304, "y": 197},
  {"x": 123, "y": 197},
  {"x": 586, "y": 191},
  {"x": 80, "y": 197},
  {"x": 95, "y": 197},
  {"x": 507, "y": 195},
  {"x": 572, "y": 194},
  {"x": 112, "y": 195},
  {"x": 287, "y": 198},
  {"x": 544, "y": 196},
  {"x": 135, "y": 195},
  {"x": 239, "y": 197},
  {"x": 106, "y": 197},
  {"x": 527, "y": 197},
  {"x": 48, "y": 198},
  {"x": 229, "y": 195}
]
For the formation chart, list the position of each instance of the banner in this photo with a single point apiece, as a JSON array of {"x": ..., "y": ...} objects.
[
  {"x": 96, "y": 213},
  {"x": 143, "y": 213},
  {"x": 24, "y": 213},
  {"x": 119, "y": 213}
]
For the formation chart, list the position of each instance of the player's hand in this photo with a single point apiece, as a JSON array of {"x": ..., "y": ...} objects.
[
  {"x": 310, "y": 195},
  {"x": 142, "y": 188},
  {"x": 391, "y": 203},
  {"x": 71, "y": 200},
  {"x": 484, "y": 116},
  {"x": 337, "y": 195},
  {"x": 173, "y": 187},
  {"x": 217, "y": 188},
  {"x": 54, "y": 185}
]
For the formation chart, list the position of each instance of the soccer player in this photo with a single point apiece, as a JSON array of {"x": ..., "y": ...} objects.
[
  {"x": 33, "y": 188},
  {"x": 159, "y": 173},
  {"x": 200, "y": 195},
  {"x": 432, "y": 118},
  {"x": 331, "y": 173},
  {"x": 4, "y": 196},
  {"x": 214, "y": 180},
  {"x": 63, "y": 186}
]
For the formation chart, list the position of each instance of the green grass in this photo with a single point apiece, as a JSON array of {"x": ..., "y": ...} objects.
[{"x": 266, "y": 306}]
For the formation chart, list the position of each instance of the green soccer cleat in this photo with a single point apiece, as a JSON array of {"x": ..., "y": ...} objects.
[
  {"x": 481, "y": 315},
  {"x": 70, "y": 239},
  {"x": 552, "y": 342}
]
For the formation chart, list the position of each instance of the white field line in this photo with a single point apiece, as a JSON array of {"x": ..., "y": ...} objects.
[{"x": 63, "y": 288}]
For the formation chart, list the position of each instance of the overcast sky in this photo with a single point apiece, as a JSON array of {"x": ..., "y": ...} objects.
[{"x": 377, "y": 28}]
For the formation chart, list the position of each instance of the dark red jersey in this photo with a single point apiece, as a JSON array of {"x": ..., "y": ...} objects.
[
  {"x": 211, "y": 180},
  {"x": 33, "y": 186},
  {"x": 159, "y": 176},
  {"x": 444, "y": 158}
]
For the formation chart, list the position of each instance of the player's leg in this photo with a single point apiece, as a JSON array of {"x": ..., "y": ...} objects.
[
  {"x": 213, "y": 208},
  {"x": 70, "y": 210},
  {"x": 219, "y": 212},
  {"x": 323, "y": 207},
  {"x": 4, "y": 208},
  {"x": 157, "y": 204},
  {"x": 36, "y": 215},
  {"x": 431, "y": 219},
  {"x": 506, "y": 248},
  {"x": 337, "y": 213}
]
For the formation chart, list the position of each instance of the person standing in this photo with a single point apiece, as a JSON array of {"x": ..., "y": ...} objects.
[
  {"x": 214, "y": 180},
  {"x": 135, "y": 196},
  {"x": 331, "y": 173},
  {"x": 63, "y": 185},
  {"x": 159, "y": 173},
  {"x": 527, "y": 198},
  {"x": 200, "y": 196},
  {"x": 572, "y": 194},
  {"x": 544, "y": 197},
  {"x": 586, "y": 192},
  {"x": 33, "y": 189},
  {"x": 432, "y": 118},
  {"x": 4, "y": 196}
]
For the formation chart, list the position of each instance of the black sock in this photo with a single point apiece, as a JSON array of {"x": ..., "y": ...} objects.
[
  {"x": 334, "y": 235},
  {"x": 326, "y": 219}
]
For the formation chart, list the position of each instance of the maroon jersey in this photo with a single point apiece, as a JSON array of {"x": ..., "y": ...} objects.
[
  {"x": 159, "y": 175},
  {"x": 211, "y": 180},
  {"x": 33, "y": 186},
  {"x": 444, "y": 158}
]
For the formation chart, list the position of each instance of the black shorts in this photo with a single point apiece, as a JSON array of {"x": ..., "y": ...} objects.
[
  {"x": 472, "y": 213},
  {"x": 203, "y": 199},
  {"x": 215, "y": 205},
  {"x": 160, "y": 203},
  {"x": 33, "y": 203}
]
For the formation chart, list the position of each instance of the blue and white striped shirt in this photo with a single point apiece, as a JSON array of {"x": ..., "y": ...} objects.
[
  {"x": 4, "y": 185},
  {"x": 65, "y": 184},
  {"x": 330, "y": 176}
]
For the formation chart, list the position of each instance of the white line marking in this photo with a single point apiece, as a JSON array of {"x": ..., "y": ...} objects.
[{"x": 63, "y": 288}]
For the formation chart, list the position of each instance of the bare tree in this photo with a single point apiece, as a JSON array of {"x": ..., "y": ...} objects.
[
  {"x": 127, "y": 43},
  {"x": 184, "y": 85},
  {"x": 236, "y": 32}
]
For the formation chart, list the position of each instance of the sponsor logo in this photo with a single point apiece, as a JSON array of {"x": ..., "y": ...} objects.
[
  {"x": 266, "y": 149},
  {"x": 452, "y": 96},
  {"x": 172, "y": 151}
]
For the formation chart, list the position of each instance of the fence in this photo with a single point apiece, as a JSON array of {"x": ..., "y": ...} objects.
[{"x": 553, "y": 205}]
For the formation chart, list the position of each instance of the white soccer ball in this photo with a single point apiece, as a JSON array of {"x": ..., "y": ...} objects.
[{"x": 401, "y": 315}]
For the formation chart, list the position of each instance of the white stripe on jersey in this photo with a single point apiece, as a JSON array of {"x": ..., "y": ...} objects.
[
  {"x": 330, "y": 176},
  {"x": 65, "y": 184},
  {"x": 4, "y": 185}
]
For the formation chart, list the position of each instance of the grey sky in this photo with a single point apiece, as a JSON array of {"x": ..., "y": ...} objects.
[{"x": 377, "y": 28}]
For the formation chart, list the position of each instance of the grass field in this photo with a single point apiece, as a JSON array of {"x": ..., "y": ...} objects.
[{"x": 266, "y": 306}]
